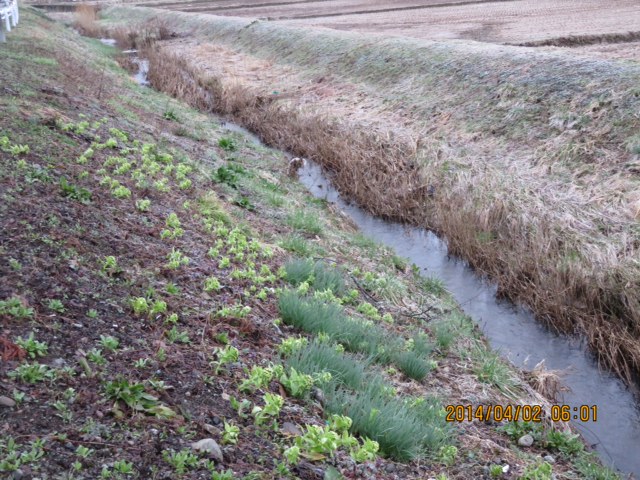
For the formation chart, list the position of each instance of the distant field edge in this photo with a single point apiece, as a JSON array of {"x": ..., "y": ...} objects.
[{"x": 582, "y": 40}]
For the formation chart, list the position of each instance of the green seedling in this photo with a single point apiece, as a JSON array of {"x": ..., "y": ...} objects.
[
  {"x": 95, "y": 355},
  {"x": 180, "y": 461},
  {"x": 297, "y": 384},
  {"x": 33, "y": 347},
  {"x": 33, "y": 373},
  {"x": 226, "y": 355},
  {"x": 55, "y": 305},
  {"x": 231, "y": 433},
  {"x": 259, "y": 377},
  {"x": 212, "y": 284},
  {"x": 15, "y": 307},
  {"x": 110, "y": 265},
  {"x": 174, "y": 335},
  {"x": 139, "y": 305},
  {"x": 240, "y": 407},
  {"x": 109, "y": 342},
  {"x": 177, "y": 259},
  {"x": 143, "y": 204},
  {"x": 272, "y": 405}
]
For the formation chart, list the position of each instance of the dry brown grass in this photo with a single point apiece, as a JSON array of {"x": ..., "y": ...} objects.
[
  {"x": 142, "y": 35},
  {"x": 86, "y": 17},
  {"x": 520, "y": 248}
]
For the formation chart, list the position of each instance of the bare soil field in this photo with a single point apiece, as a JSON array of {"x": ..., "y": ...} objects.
[
  {"x": 505, "y": 21},
  {"x": 508, "y": 22}
]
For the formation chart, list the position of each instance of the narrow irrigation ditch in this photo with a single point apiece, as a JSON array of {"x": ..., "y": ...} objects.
[{"x": 510, "y": 329}]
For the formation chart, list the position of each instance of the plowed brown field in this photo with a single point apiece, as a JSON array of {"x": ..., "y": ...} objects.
[{"x": 500, "y": 21}]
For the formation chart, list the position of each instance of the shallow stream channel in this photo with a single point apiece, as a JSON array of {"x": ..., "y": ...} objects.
[{"x": 512, "y": 330}]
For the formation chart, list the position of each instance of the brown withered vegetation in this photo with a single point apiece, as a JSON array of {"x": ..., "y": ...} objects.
[
  {"x": 379, "y": 169},
  {"x": 85, "y": 20}
]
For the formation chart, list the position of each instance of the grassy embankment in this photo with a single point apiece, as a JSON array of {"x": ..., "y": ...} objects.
[
  {"x": 160, "y": 286},
  {"x": 525, "y": 161}
]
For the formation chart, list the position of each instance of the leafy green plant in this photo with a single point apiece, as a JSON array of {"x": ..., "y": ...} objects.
[
  {"x": 228, "y": 354},
  {"x": 170, "y": 115},
  {"x": 448, "y": 454},
  {"x": 297, "y": 384},
  {"x": 56, "y": 305},
  {"x": 134, "y": 396},
  {"x": 240, "y": 407},
  {"x": 517, "y": 429},
  {"x": 229, "y": 175},
  {"x": 143, "y": 204},
  {"x": 177, "y": 259},
  {"x": 272, "y": 405},
  {"x": 566, "y": 443},
  {"x": 226, "y": 475},
  {"x": 109, "y": 342},
  {"x": 259, "y": 377},
  {"x": 33, "y": 347},
  {"x": 76, "y": 193},
  {"x": 123, "y": 467},
  {"x": 212, "y": 284},
  {"x": 157, "y": 308},
  {"x": 367, "y": 452},
  {"x": 174, "y": 335},
  {"x": 33, "y": 372},
  {"x": 290, "y": 345},
  {"x": 174, "y": 228},
  {"x": 95, "y": 355},
  {"x": 234, "y": 311},
  {"x": 110, "y": 265},
  {"x": 15, "y": 307},
  {"x": 121, "y": 192},
  {"x": 139, "y": 305},
  {"x": 496, "y": 471},
  {"x": 317, "y": 441},
  {"x": 227, "y": 144},
  {"x": 542, "y": 471},
  {"x": 180, "y": 461},
  {"x": 230, "y": 434}
]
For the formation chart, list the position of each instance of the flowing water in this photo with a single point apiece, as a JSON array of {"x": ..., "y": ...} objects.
[{"x": 510, "y": 329}]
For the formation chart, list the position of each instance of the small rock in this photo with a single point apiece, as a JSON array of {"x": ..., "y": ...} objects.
[
  {"x": 318, "y": 395},
  {"x": 209, "y": 446},
  {"x": 525, "y": 441},
  {"x": 289, "y": 428},
  {"x": 6, "y": 402},
  {"x": 390, "y": 468},
  {"x": 18, "y": 474},
  {"x": 549, "y": 459},
  {"x": 58, "y": 363},
  {"x": 211, "y": 429}
]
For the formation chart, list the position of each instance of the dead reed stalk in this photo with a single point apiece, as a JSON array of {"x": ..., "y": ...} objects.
[{"x": 86, "y": 17}]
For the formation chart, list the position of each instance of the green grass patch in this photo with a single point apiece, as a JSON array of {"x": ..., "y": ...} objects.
[{"x": 305, "y": 222}]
